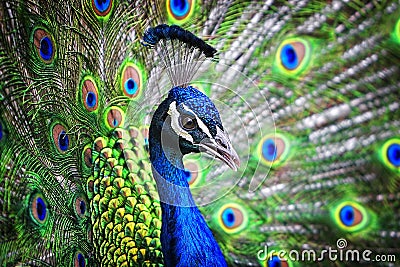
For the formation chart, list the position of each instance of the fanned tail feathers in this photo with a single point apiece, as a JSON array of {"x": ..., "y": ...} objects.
[{"x": 308, "y": 92}]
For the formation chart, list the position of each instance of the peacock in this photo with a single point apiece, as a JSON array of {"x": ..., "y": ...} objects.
[{"x": 199, "y": 133}]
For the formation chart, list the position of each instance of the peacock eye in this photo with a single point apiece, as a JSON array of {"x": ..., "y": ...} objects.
[{"x": 187, "y": 122}]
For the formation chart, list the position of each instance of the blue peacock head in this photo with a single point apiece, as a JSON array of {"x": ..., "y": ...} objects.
[{"x": 190, "y": 123}]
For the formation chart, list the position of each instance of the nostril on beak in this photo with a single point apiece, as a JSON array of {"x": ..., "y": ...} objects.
[{"x": 219, "y": 141}]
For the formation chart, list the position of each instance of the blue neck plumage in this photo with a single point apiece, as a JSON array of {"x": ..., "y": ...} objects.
[{"x": 185, "y": 237}]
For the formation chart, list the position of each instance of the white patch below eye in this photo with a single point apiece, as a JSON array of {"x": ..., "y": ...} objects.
[
  {"x": 201, "y": 124},
  {"x": 174, "y": 113}
]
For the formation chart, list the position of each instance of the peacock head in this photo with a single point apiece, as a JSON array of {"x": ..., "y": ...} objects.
[{"x": 191, "y": 124}]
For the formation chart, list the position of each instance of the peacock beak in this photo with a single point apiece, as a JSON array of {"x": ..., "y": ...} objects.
[{"x": 220, "y": 147}]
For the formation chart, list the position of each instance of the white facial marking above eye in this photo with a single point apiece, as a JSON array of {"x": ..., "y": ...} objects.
[
  {"x": 201, "y": 124},
  {"x": 174, "y": 114}
]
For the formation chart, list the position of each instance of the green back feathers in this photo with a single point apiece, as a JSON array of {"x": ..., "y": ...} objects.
[{"x": 67, "y": 82}]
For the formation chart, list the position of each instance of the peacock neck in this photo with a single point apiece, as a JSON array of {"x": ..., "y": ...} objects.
[{"x": 185, "y": 237}]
